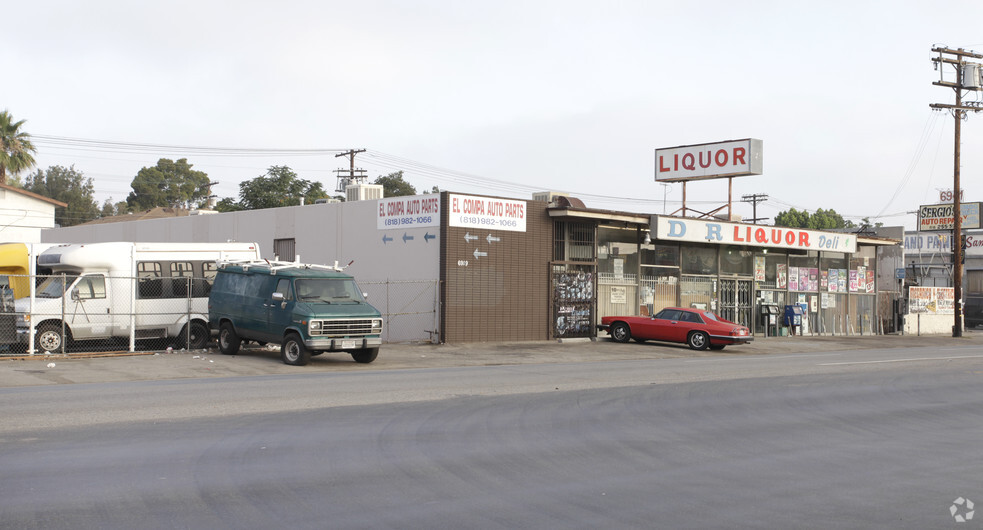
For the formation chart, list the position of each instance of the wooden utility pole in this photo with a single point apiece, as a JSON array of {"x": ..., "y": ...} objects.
[
  {"x": 967, "y": 78},
  {"x": 754, "y": 199},
  {"x": 352, "y": 175}
]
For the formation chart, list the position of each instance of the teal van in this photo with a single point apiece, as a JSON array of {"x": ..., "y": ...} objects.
[{"x": 307, "y": 309}]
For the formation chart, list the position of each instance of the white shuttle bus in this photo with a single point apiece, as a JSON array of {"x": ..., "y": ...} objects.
[{"x": 122, "y": 289}]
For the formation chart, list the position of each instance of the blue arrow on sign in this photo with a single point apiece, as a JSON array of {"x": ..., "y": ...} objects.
[
  {"x": 427, "y": 237},
  {"x": 386, "y": 239},
  {"x": 406, "y": 237}
]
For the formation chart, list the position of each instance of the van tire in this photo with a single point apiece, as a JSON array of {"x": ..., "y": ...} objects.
[
  {"x": 49, "y": 339},
  {"x": 293, "y": 351},
  {"x": 228, "y": 341},
  {"x": 365, "y": 355},
  {"x": 199, "y": 336}
]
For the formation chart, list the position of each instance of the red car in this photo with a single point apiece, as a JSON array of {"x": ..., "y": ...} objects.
[{"x": 697, "y": 328}]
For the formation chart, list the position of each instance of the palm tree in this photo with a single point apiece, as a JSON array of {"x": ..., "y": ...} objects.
[{"x": 15, "y": 147}]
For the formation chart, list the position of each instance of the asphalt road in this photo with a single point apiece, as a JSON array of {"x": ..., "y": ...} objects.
[{"x": 816, "y": 439}]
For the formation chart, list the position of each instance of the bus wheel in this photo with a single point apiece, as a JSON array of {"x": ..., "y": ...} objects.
[
  {"x": 199, "y": 336},
  {"x": 49, "y": 338}
]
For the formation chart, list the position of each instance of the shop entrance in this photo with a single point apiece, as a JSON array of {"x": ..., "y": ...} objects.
[{"x": 736, "y": 300}]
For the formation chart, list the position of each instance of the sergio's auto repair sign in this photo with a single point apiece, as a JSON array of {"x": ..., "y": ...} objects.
[
  {"x": 939, "y": 216},
  {"x": 722, "y": 233},
  {"x": 732, "y": 158}
]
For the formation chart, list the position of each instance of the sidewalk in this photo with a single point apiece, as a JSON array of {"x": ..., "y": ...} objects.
[{"x": 151, "y": 366}]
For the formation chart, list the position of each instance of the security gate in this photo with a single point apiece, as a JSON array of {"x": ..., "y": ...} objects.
[{"x": 737, "y": 300}]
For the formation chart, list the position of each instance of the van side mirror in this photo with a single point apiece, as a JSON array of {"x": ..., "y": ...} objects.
[
  {"x": 75, "y": 293},
  {"x": 278, "y": 296},
  {"x": 365, "y": 296}
]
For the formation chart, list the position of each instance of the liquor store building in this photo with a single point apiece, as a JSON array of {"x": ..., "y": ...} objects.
[{"x": 746, "y": 273}]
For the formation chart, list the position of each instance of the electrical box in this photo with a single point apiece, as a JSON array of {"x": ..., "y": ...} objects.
[{"x": 971, "y": 76}]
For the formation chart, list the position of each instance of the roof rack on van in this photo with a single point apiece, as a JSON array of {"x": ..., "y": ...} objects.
[{"x": 276, "y": 265}]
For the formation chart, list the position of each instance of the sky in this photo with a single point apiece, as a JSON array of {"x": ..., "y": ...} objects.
[{"x": 506, "y": 98}]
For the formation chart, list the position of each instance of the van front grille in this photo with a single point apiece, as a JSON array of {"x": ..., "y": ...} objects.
[{"x": 346, "y": 327}]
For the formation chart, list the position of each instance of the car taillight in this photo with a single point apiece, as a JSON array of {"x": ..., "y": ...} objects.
[{"x": 739, "y": 331}]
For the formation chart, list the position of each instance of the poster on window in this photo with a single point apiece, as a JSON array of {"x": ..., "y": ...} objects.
[
  {"x": 824, "y": 300},
  {"x": 834, "y": 280},
  {"x": 781, "y": 275},
  {"x": 759, "y": 268},
  {"x": 793, "y": 278},
  {"x": 843, "y": 280},
  {"x": 853, "y": 281},
  {"x": 803, "y": 279},
  {"x": 870, "y": 281},
  {"x": 813, "y": 279},
  {"x": 824, "y": 280}
]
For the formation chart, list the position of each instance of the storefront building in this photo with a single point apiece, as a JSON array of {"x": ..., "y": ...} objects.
[{"x": 746, "y": 273}]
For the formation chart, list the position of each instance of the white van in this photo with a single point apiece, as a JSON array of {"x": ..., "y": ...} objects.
[{"x": 119, "y": 290}]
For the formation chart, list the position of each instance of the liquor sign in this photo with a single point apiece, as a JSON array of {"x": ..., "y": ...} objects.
[
  {"x": 723, "y": 233},
  {"x": 733, "y": 158},
  {"x": 939, "y": 216}
]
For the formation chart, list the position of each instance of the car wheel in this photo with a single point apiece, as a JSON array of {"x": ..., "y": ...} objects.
[
  {"x": 49, "y": 338},
  {"x": 365, "y": 355},
  {"x": 198, "y": 339},
  {"x": 293, "y": 351},
  {"x": 228, "y": 341},
  {"x": 620, "y": 332},
  {"x": 698, "y": 340},
  {"x": 716, "y": 346}
]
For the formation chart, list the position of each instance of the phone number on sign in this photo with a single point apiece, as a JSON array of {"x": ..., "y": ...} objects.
[
  {"x": 468, "y": 220},
  {"x": 397, "y": 221}
]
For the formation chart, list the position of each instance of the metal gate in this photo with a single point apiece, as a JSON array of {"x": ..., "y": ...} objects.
[
  {"x": 736, "y": 300},
  {"x": 573, "y": 300}
]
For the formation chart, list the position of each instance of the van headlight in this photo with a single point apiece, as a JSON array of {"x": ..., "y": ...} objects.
[
  {"x": 376, "y": 325},
  {"x": 315, "y": 324}
]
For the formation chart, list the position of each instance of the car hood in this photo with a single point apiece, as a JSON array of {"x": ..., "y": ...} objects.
[{"x": 315, "y": 310}]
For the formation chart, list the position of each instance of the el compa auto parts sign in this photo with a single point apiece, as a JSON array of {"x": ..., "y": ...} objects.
[{"x": 939, "y": 216}]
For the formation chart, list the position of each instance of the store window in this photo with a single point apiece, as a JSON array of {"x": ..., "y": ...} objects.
[
  {"x": 803, "y": 271},
  {"x": 737, "y": 260},
  {"x": 617, "y": 271},
  {"x": 699, "y": 259}
]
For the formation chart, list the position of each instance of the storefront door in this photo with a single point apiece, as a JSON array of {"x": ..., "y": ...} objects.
[{"x": 736, "y": 301}]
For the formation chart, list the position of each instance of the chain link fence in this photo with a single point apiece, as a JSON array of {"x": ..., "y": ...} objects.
[{"x": 95, "y": 313}]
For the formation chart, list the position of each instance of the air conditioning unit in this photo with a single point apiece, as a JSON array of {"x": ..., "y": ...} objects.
[
  {"x": 363, "y": 192},
  {"x": 548, "y": 196}
]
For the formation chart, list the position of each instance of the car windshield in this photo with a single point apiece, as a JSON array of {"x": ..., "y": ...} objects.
[
  {"x": 53, "y": 287},
  {"x": 328, "y": 290}
]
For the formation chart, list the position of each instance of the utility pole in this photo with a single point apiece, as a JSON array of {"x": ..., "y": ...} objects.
[
  {"x": 353, "y": 174},
  {"x": 754, "y": 199},
  {"x": 967, "y": 78}
]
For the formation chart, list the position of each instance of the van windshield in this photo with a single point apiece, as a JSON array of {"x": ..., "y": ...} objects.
[
  {"x": 53, "y": 287},
  {"x": 328, "y": 290}
]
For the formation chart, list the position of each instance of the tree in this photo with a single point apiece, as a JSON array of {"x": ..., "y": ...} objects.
[
  {"x": 393, "y": 185},
  {"x": 280, "y": 186},
  {"x": 821, "y": 220},
  {"x": 110, "y": 208},
  {"x": 16, "y": 149},
  {"x": 170, "y": 183},
  {"x": 67, "y": 185}
]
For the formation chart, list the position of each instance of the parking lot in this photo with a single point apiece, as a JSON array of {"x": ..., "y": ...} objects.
[{"x": 259, "y": 361}]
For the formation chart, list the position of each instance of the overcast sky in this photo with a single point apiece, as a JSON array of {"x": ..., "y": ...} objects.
[{"x": 503, "y": 98}]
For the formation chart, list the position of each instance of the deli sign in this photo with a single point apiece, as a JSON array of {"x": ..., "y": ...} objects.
[
  {"x": 722, "y": 233},
  {"x": 939, "y": 216},
  {"x": 733, "y": 158}
]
